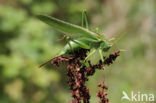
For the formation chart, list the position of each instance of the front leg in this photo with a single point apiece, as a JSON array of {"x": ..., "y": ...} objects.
[
  {"x": 90, "y": 54},
  {"x": 101, "y": 55},
  {"x": 68, "y": 42}
]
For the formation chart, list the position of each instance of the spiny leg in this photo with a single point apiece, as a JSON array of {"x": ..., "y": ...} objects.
[
  {"x": 90, "y": 54},
  {"x": 101, "y": 55}
]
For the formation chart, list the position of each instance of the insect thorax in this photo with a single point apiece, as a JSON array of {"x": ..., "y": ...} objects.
[{"x": 105, "y": 46}]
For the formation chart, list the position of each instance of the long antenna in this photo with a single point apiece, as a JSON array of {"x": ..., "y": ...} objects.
[{"x": 130, "y": 28}]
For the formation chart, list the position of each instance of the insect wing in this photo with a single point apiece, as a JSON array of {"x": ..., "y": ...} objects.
[{"x": 69, "y": 29}]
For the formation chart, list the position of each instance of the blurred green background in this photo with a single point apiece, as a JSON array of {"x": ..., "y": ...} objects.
[{"x": 26, "y": 42}]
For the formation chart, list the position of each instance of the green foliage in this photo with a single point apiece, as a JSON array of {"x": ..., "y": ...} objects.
[{"x": 25, "y": 43}]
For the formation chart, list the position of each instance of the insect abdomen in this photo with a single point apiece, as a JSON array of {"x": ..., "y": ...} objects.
[{"x": 68, "y": 49}]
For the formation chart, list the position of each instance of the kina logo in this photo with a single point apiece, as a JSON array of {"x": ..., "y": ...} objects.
[{"x": 141, "y": 97}]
